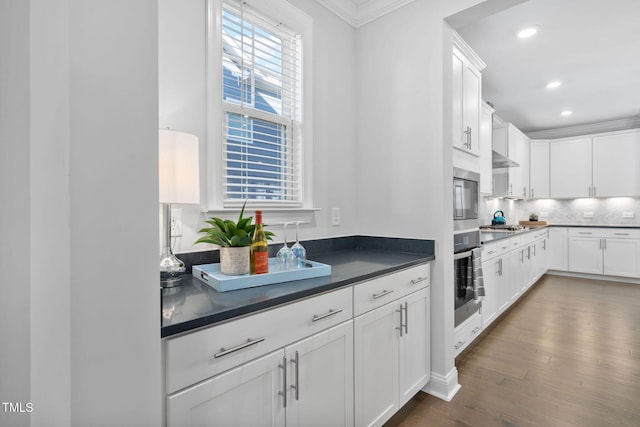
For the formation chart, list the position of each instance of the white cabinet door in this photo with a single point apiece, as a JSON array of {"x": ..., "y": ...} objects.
[
  {"x": 459, "y": 137},
  {"x": 320, "y": 379},
  {"x": 516, "y": 276},
  {"x": 472, "y": 103},
  {"x": 486, "y": 143},
  {"x": 503, "y": 284},
  {"x": 585, "y": 254},
  {"x": 250, "y": 395},
  {"x": 616, "y": 164},
  {"x": 539, "y": 170},
  {"x": 621, "y": 257},
  {"x": 491, "y": 273},
  {"x": 523, "y": 170},
  {"x": 467, "y": 84},
  {"x": 557, "y": 258},
  {"x": 376, "y": 364},
  {"x": 414, "y": 361},
  {"x": 570, "y": 168}
]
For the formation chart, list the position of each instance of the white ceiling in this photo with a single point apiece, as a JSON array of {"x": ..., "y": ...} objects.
[{"x": 592, "y": 46}]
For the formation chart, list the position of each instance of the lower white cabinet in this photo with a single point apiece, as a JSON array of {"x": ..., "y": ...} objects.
[
  {"x": 309, "y": 363},
  {"x": 320, "y": 379},
  {"x": 557, "y": 258},
  {"x": 293, "y": 386},
  {"x": 612, "y": 252},
  {"x": 392, "y": 357},
  {"x": 250, "y": 395}
]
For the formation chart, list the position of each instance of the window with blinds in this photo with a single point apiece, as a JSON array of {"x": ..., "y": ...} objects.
[{"x": 261, "y": 63}]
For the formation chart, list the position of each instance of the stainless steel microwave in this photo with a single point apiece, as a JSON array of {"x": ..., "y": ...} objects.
[{"x": 466, "y": 197}]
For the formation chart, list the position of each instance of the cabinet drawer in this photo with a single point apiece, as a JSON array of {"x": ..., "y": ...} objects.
[
  {"x": 466, "y": 333},
  {"x": 377, "y": 292},
  {"x": 199, "y": 355},
  {"x": 619, "y": 233}
]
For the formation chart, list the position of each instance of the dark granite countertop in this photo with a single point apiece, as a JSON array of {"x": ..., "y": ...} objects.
[
  {"x": 492, "y": 236},
  {"x": 353, "y": 259}
]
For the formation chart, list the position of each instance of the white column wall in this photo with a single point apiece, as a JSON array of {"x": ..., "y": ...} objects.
[
  {"x": 405, "y": 160},
  {"x": 79, "y": 302}
]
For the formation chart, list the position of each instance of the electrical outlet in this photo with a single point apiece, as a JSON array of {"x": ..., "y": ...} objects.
[
  {"x": 588, "y": 215},
  {"x": 544, "y": 214},
  {"x": 176, "y": 222},
  {"x": 627, "y": 215},
  {"x": 335, "y": 216}
]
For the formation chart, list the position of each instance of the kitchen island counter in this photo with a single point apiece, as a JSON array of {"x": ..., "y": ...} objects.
[{"x": 353, "y": 259}]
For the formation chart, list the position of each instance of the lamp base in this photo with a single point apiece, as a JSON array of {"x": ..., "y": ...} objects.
[{"x": 171, "y": 269}]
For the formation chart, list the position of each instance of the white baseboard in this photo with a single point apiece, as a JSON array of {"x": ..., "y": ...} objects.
[
  {"x": 443, "y": 386},
  {"x": 594, "y": 276}
]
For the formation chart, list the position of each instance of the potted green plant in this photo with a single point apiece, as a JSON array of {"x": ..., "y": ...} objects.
[
  {"x": 533, "y": 216},
  {"x": 234, "y": 239}
]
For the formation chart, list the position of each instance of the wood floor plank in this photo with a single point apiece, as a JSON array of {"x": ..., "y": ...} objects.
[{"x": 567, "y": 355}]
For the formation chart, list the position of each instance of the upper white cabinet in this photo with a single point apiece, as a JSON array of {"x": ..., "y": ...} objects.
[
  {"x": 539, "y": 170},
  {"x": 616, "y": 164},
  {"x": 486, "y": 143},
  {"x": 509, "y": 141},
  {"x": 570, "y": 168},
  {"x": 605, "y": 165},
  {"x": 467, "y": 97}
]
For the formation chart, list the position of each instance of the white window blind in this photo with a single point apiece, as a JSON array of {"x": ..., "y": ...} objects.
[{"x": 261, "y": 61}]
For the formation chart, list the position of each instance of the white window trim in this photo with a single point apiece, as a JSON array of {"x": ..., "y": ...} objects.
[{"x": 296, "y": 20}]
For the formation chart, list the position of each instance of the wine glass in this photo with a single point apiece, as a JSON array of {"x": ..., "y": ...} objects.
[
  {"x": 285, "y": 256},
  {"x": 299, "y": 252}
]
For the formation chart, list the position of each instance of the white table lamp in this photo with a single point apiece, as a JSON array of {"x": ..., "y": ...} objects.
[{"x": 179, "y": 183}]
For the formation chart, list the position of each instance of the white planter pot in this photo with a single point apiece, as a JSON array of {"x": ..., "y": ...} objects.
[{"x": 234, "y": 261}]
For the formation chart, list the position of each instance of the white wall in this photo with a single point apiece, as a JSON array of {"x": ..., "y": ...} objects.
[
  {"x": 14, "y": 196},
  {"x": 183, "y": 107},
  {"x": 78, "y": 169},
  {"x": 405, "y": 159}
]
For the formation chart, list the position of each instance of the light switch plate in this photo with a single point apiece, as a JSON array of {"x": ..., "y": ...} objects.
[
  {"x": 588, "y": 215},
  {"x": 544, "y": 214}
]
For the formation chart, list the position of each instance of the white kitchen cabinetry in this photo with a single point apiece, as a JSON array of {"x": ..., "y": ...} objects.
[
  {"x": 557, "y": 258},
  {"x": 467, "y": 98},
  {"x": 320, "y": 377},
  {"x": 570, "y": 168},
  {"x": 616, "y": 164},
  {"x": 391, "y": 341},
  {"x": 250, "y": 363},
  {"x": 513, "y": 144},
  {"x": 466, "y": 332},
  {"x": 539, "y": 169},
  {"x": 612, "y": 252},
  {"x": 248, "y": 395},
  {"x": 486, "y": 144},
  {"x": 510, "y": 266}
]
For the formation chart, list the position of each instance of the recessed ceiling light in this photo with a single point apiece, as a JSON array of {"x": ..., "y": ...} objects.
[
  {"x": 553, "y": 85},
  {"x": 566, "y": 113},
  {"x": 528, "y": 32}
]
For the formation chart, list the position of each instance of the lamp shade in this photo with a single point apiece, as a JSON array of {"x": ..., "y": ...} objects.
[{"x": 179, "y": 167}]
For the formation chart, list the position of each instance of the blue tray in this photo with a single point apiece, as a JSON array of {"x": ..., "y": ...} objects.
[{"x": 210, "y": 274}]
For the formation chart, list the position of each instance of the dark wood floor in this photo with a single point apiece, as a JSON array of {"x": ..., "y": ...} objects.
[{"x": 568, "y": 354}]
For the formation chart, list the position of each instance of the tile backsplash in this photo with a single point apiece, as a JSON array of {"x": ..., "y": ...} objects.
[{"x": 614, "y": 210}]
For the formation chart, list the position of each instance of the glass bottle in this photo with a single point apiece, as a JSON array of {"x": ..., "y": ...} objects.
[{"x": 259, "y": 248}]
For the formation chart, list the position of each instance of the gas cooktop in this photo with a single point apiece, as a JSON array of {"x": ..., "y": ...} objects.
[{"x": 504, "y": 227}]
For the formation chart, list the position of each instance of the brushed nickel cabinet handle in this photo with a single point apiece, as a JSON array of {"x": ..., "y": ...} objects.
[
  {"x": 296, "y": 387},
  {"x": 250, "y": 342},
  {"x": 418, "y": 280},
  {"x": 383, "y": 293},
  {"x": 283, "y": 393},
  {"x": 331, "y": 312}
]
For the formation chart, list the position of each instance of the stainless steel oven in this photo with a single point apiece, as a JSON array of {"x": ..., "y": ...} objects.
[
  {"x": 463, "y": 265},
  {"x": 466, "y": 197}
]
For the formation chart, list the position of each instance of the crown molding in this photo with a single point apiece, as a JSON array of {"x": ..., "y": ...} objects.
[
  {"x": 590, "y": 128},
  {"x": 362, "y": 12}
]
